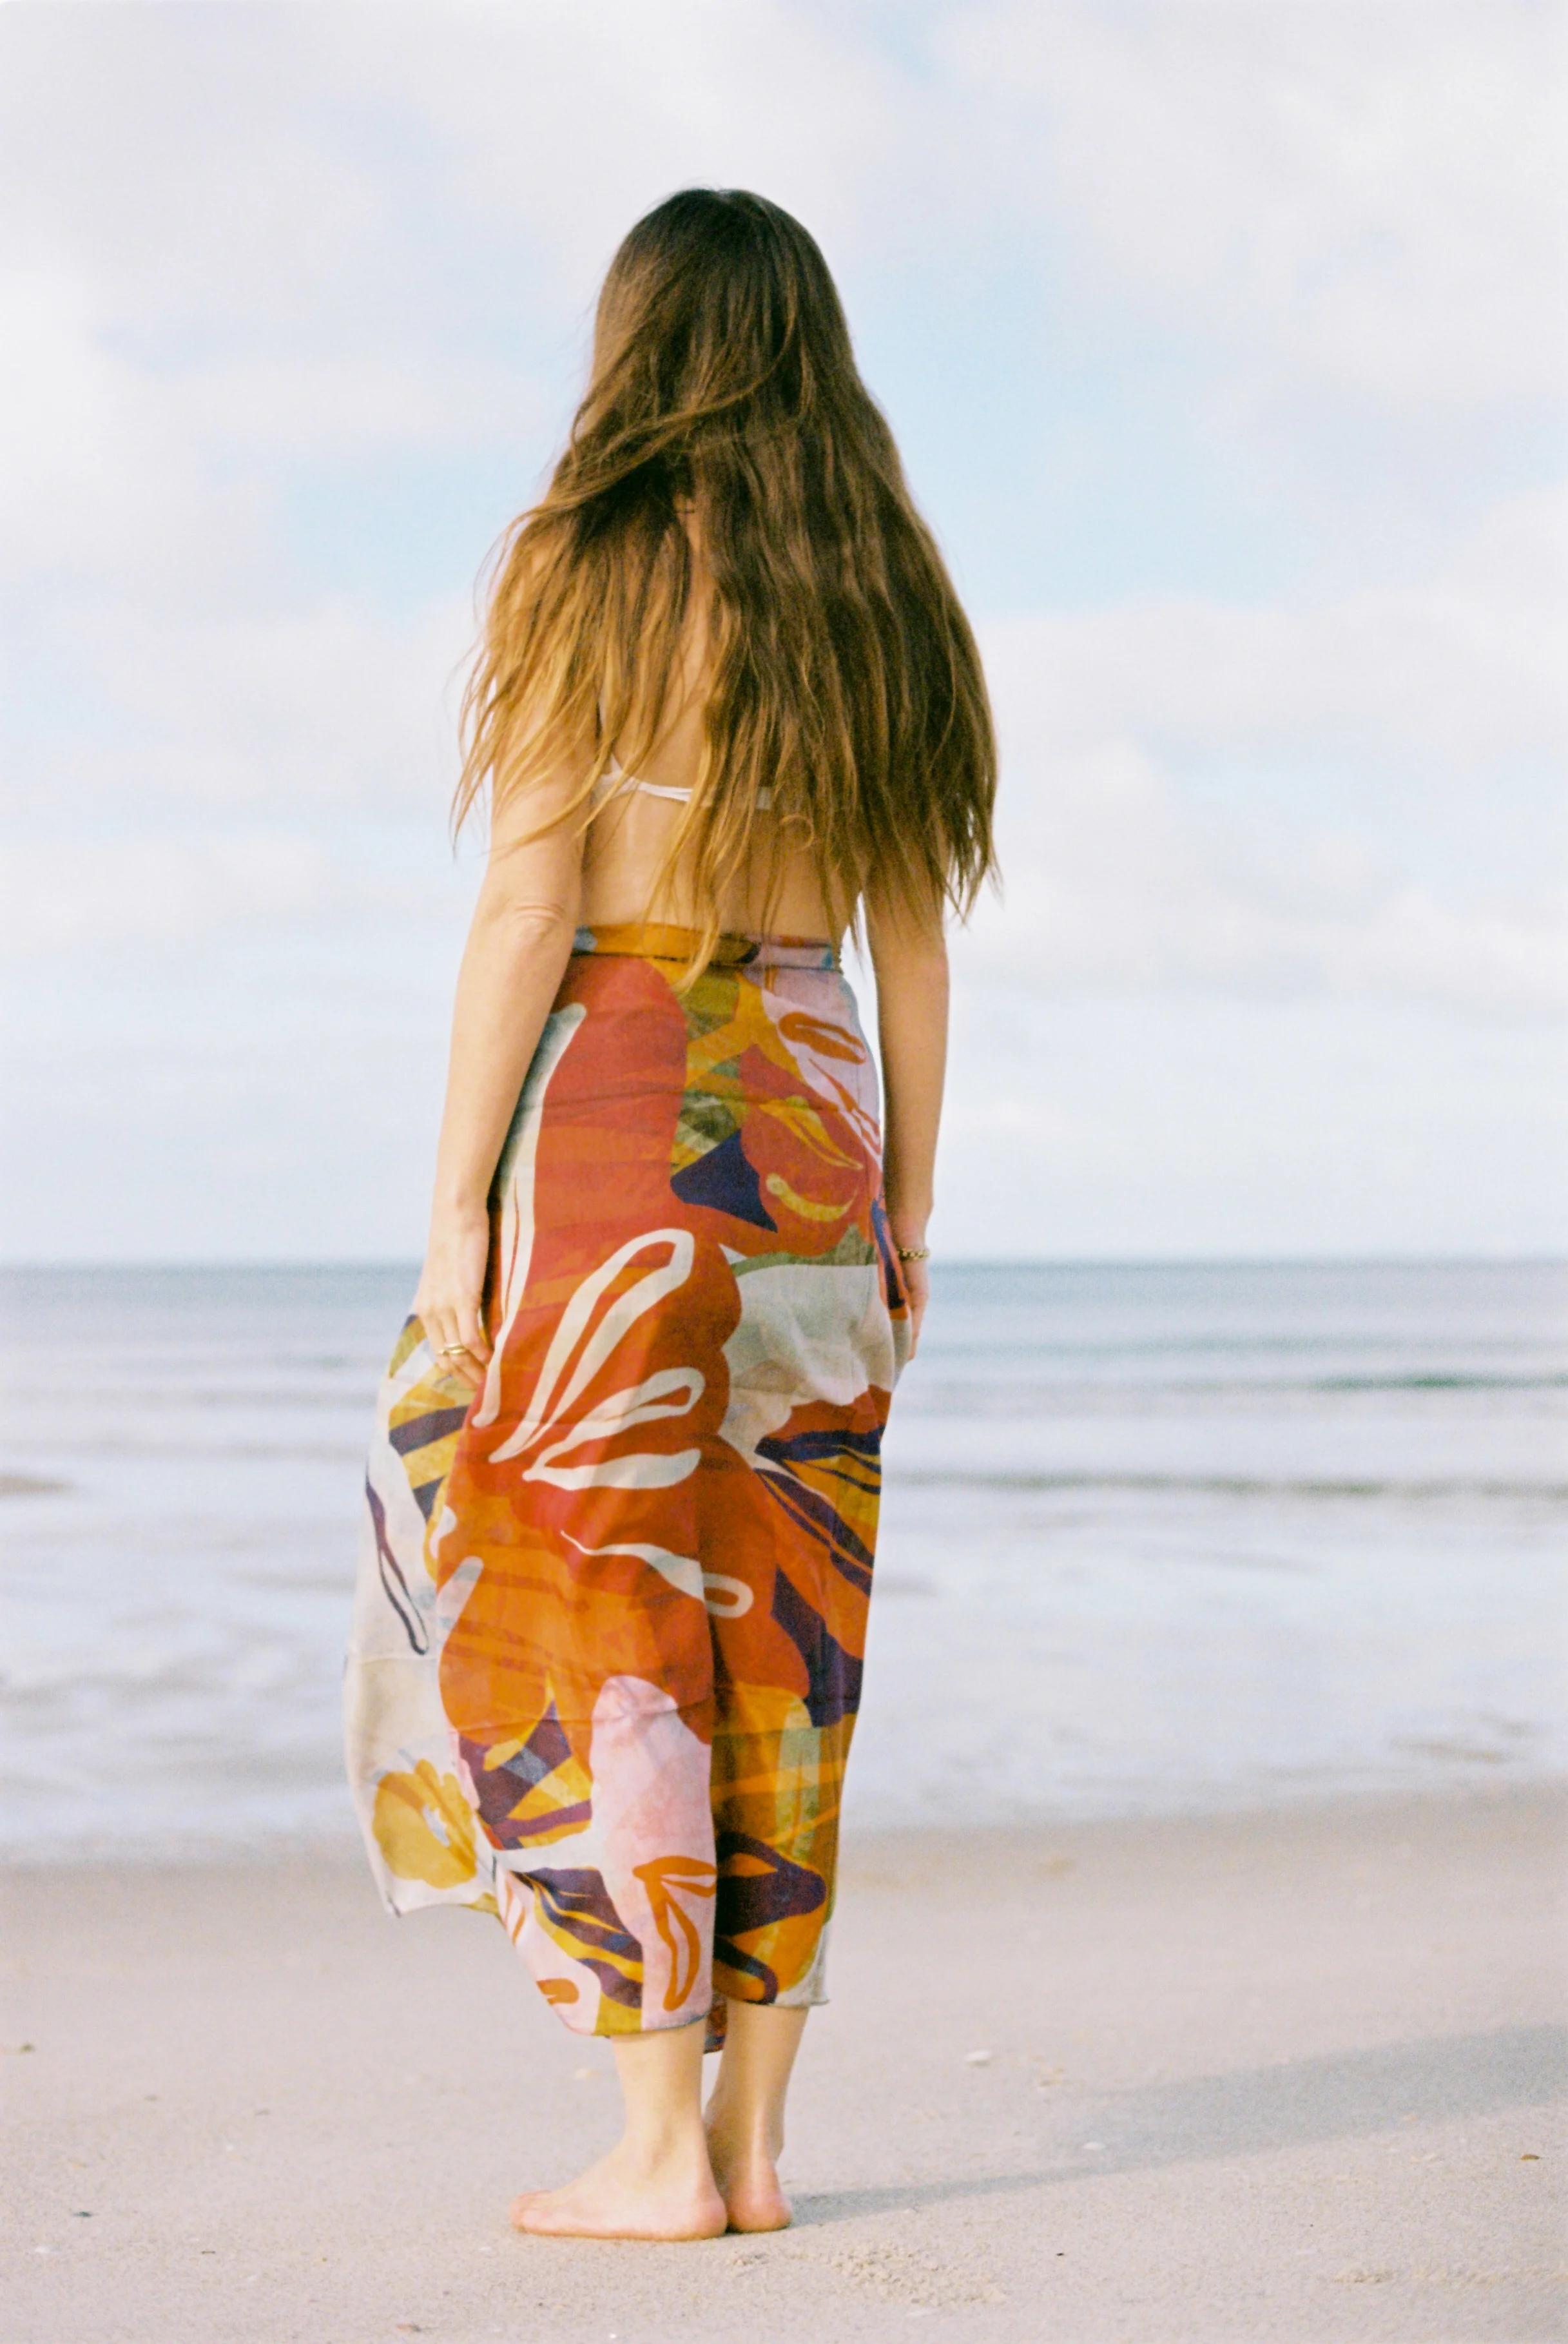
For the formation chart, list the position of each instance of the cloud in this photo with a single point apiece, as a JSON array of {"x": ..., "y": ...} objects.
[
  {"x": 320, "y": 705},
  {"x": 111, "y": 488},
  {"x": 165, "y": 477},
  {"x": 1115, "y": 885},
  {"x": 315, "y": 705},
  {"x": 569, "y": 138},
  {"x": 88, "y": 895},
  {"x": 1120, "y": 878},
  {"x": 193, "y": 158},
  {"x": 264, "y": 168},
  {"x": 1371, "y": 197},
  {"x": 1464, "y": 669}
]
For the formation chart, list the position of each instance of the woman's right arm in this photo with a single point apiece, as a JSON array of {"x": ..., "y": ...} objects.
[
  {"x": 513, "y": 965},
  {"x": 909, "y": 955}
]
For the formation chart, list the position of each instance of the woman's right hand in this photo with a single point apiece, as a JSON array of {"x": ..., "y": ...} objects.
[{"x": 449, "y": 1300}]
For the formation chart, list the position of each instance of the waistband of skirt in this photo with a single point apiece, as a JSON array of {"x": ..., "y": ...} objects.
[{"x": 652, "y": 940}]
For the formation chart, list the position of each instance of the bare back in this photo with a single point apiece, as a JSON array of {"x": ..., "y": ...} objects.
[{"x": 631, "y": 833}]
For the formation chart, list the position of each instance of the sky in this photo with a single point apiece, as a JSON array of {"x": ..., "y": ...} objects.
[{"x": 1224, "y": 341}]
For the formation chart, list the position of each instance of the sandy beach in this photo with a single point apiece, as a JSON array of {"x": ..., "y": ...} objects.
[{"x": 1287, "y": 2076}]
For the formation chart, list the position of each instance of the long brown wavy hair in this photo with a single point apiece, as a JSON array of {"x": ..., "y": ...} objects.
[{"x": 843, "y": 676}]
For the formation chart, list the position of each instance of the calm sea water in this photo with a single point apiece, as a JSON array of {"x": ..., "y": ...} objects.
[{"x": 1154, "y": 1539}]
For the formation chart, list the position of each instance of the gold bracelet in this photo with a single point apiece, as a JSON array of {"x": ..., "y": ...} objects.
[{"x": 913, "y": 1253}]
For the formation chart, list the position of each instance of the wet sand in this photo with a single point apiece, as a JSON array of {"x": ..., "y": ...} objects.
[{"x": 1289, "y": 2076}]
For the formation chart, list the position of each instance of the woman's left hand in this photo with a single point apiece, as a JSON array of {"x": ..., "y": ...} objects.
[{"x": 915, "y": 1277}]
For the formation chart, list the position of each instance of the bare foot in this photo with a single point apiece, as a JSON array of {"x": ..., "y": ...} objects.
[
  {"x": 748, "y": 2182},
  {"x": 628, "y": 2194}
]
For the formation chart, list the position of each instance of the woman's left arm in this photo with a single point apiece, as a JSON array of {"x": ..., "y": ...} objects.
[
  {"x": 909, "y": 954},
  {"x": 517, "y": 947}
]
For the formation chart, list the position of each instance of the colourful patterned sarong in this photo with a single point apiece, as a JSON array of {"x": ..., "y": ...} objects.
[{"x": 611, "y": 1616}]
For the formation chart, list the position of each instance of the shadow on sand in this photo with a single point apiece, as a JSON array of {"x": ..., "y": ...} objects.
[{"x": 1346, "y": 2095}]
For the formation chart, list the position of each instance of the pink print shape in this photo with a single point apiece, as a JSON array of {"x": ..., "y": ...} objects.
[{"x": 653, "y": 1811}]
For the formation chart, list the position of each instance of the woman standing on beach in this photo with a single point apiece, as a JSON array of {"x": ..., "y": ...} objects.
[{"x": 622, "y": 1507}]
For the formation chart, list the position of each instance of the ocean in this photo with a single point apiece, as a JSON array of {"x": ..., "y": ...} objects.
[{"x": 1155, "y": 1538}]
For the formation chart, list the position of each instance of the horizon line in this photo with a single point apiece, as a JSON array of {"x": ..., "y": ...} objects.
[{"x": 404, "y": 1262}]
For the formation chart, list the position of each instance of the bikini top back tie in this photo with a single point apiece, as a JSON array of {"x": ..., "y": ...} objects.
[{"x": 615, "y": 783}]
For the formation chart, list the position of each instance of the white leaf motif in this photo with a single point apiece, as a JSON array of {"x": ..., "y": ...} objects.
[
  {"x": 578, "y": 1349},
  {"x": 681, "y": 1569}
]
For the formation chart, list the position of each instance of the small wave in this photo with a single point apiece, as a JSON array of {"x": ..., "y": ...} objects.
[
  {"x": 1228, "y": 1485},
  {"x": 318, "y": 1452},
  {"x": 1439, "y": 1382},
  {"x": 31, "y": 1485}
]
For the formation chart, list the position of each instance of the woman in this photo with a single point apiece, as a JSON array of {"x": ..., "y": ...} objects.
[{"x": 623, "y": 1502}]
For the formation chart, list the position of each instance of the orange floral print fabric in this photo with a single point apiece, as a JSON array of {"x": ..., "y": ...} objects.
[{"x": 610, "y": 1617}]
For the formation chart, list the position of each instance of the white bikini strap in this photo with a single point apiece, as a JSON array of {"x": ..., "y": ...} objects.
[
  {"x": 658, "y": 789},
  {"x": 612, "y": 782}
]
